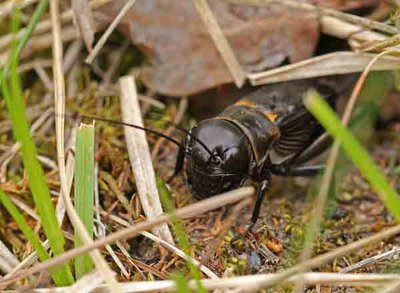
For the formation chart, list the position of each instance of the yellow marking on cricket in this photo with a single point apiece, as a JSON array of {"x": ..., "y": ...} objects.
[
  {"x": 246, "y": 103},
  {"x": 271, "y": 116}
]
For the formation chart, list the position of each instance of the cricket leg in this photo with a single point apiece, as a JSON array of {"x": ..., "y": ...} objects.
[
  {"x": 264, "y": 186},
  {"x": 304, "y": 171},
  {"x": 320, "y": 145}
]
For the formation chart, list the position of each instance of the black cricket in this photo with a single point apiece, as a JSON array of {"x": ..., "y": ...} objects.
[{"x": 268, "y": 132}]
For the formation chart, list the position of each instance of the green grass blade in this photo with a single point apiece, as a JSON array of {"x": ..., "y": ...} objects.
[
  {"x": 182, "y": 286},
  {"x": 14, "y": 54},
  {"x": 353, "y": 149},
  {"x": 181, "y": 235},
  {"x": 12, "y": 94},
  {"x": 30, "y": 235},
  {"x": 84, "y": 190}
]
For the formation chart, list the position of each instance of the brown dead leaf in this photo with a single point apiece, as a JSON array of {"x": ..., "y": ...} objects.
[{"x": 183, "y": 58}]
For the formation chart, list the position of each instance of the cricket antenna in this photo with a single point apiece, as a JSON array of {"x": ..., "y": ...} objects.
[
  {"x": 155, "y": 132},
  {"x": 183, "y": 130},
  {"x": 187, "y": 132}
]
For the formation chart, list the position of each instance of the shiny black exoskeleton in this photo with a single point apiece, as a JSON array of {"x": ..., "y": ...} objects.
[{"x": 269, "y": 132}]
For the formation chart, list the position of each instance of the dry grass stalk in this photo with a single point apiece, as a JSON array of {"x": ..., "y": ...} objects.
[
  {"x": 328, "y": 64},
  {"x": 139, "y": 155},
  {"x": 189, "y": 211},
  {"x": 44, "y": 26},
  {"x": 319, "y": 205},
  {"x": 355, "y": 34},
  {"x": 380, "y": 45},
  {"x": 72, "y": 55},
  {"x": 44, "y": 77},
  {"x": 59, "y": 94},
  {"x": 32, "y": 112},
  {"x": 42, "y": 42},
  {"x": 70, "y": 170},
  {"x": 371, "y": 260},
  {"x": 32, "y": 64},
  {"x": 89, "y": 59},
  {"x": 245, "y": 282},
  {"x": 393, "y": 288},
  {"x": 7, "y": 156},
  {"x": 8, "y": 261},
  {"x": 84, "y": 21},
  {"x": 220, "y": 42},
  {"x": 129, "y": 258},
  {"x": 87, "y": 283},
  {"x": 24, "y": 207},
  {"x": 7, "y": 7}
]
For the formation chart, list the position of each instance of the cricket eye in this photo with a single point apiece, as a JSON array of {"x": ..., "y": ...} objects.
[{"x": 215, "y": 160}]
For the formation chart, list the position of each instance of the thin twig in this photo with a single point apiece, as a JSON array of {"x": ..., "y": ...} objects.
[
  {"x": 89, "y": 59},
  {"x": 59, "y": 95},
  {"x": 223, "y": 47},
  {"x": 371, "y": 260},
  {"x": 192, "y": 210}
]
